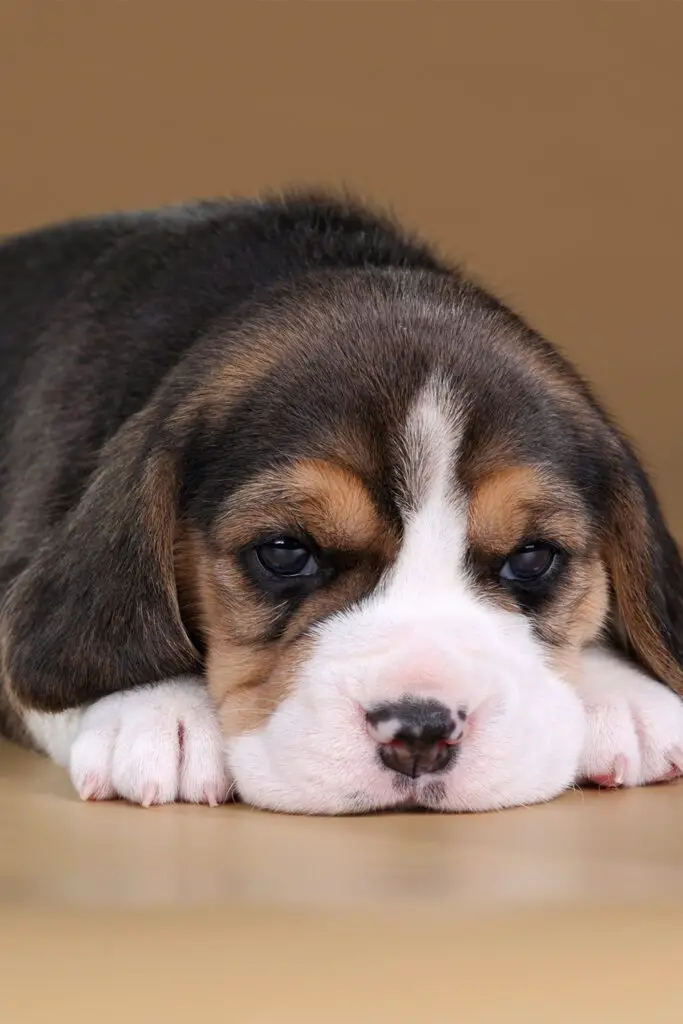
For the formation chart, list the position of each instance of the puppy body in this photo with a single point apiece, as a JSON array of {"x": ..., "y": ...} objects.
[{"x": 192, "y": 396}]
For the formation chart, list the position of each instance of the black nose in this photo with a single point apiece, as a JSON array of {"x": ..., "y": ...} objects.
[{"x": 415, "y": 736}]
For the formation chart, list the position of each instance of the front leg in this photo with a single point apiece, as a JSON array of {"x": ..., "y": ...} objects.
[
  {"x": 153, "y": 745},
  {"x": 634, "y": 724}
]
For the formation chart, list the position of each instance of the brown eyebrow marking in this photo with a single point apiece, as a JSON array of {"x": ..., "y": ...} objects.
[
  {"x": 510, "y": 503},
  {"x": 325, "y": 500}
]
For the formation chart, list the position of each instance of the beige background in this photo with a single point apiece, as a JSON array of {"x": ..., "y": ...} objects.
[{"x": 539, "y": 143}]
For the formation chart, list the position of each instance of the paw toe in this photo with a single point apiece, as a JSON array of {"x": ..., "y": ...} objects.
[
  {"x": 145, "y": 766},
  {"x": 203, "y": 775},
  {"x": 151, "y": 746},
  {"x": 94, "y": 786},
  {"x": 634, "y": 739}
]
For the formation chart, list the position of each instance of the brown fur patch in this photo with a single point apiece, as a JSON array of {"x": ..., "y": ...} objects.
[
  {"x": 248, "y": 684},
  {"x": 578, "y": 617},
  {"x": 327, "y": 501},
  {"x": 248, "y": 676},
  {"x": 514, "y": 503},
  {"x": 628, "y": 552}
]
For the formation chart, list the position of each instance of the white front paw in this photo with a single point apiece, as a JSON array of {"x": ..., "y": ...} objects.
[
  {"x": 154, "y": 745},
  {"x": 634, "y": 730}
]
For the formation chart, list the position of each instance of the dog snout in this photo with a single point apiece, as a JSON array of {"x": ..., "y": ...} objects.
[{"x": 415, "y": 736}]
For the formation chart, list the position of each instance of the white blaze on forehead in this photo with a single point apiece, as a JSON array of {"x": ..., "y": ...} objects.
[{"x": 434, "y": 510}]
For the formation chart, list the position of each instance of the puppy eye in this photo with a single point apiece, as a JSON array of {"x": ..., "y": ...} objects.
[
  {"x": 530, "y": 563},
  {"x": 286, "y": 558}
]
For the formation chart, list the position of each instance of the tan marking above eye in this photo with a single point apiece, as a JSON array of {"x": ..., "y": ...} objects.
[
  {"x": 324, "y": 500},
  {"x": 512, "y": 504}
]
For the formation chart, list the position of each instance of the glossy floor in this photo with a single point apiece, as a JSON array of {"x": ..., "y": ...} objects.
[{"x": 569, "y": 911}]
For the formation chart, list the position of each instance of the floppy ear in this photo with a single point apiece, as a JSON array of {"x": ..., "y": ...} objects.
[
  {"x": 96, "y": 610},
  {"x": 647, "y": 576}
]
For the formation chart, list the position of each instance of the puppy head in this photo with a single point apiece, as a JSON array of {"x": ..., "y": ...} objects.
[
  {"x": 412, "y": 518},
  {"x": 383, "y": 518}
]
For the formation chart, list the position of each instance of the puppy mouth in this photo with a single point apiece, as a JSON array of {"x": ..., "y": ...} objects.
[{"x": 411, "y": 795}]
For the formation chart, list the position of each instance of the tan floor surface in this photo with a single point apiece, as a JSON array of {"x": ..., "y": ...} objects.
[{"x": 568, "y": 912}]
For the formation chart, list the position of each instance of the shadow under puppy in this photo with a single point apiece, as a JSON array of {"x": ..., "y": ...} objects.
[{"x": 288, "y": 505}]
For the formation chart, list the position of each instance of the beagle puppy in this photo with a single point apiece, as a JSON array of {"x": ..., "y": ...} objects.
[{"x": 290, "y": 509}]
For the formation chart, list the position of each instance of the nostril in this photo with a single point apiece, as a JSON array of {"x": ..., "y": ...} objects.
[{"x": 415, "y": 760}]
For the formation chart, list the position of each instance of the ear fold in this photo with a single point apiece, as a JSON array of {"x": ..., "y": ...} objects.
[
  {"x": 96, "y": 609},
  {"x": 647, "y": 577}
]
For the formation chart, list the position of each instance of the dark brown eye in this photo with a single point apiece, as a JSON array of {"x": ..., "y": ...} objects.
[
  {"x": 530, "y": 563},
  {"x": 286, "y": 558}
]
